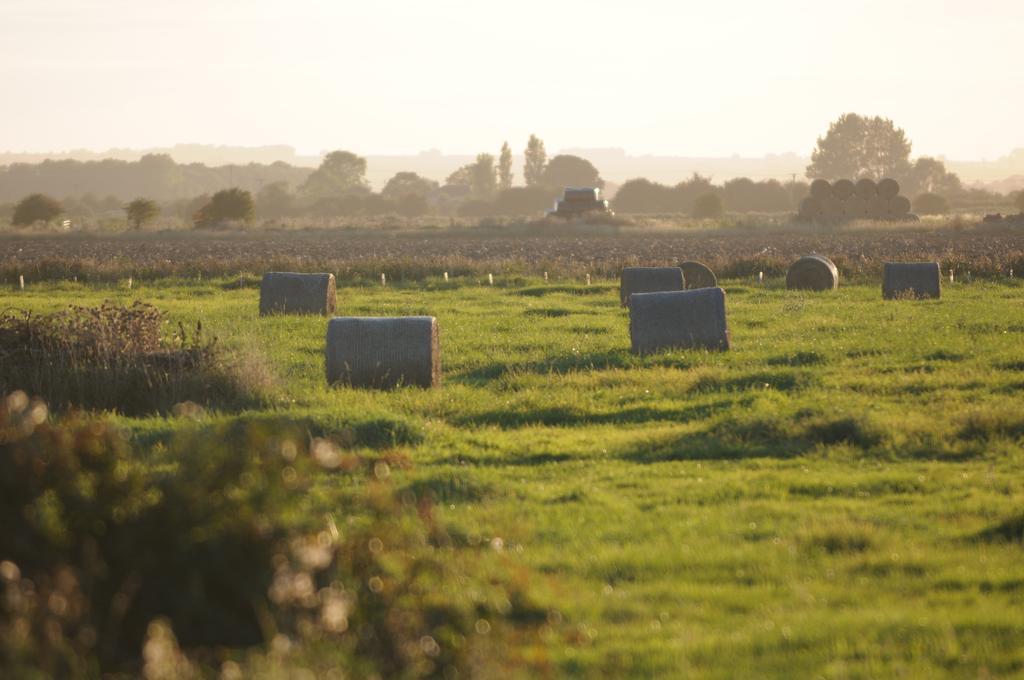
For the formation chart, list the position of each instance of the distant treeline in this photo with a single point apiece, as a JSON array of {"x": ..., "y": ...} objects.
[
  {"x": 155, "y": 176},
  {"x": 97, "y": 192}
]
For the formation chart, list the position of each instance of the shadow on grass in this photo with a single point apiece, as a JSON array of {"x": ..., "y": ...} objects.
[
  {"x": 612, "y": 359},
  {"x": 561, "y": 416},
  {"x": 541, "y": 291},
  {"x": 508, "y": 461}
]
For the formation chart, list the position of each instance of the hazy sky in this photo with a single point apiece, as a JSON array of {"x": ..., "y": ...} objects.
[{"x": 708, "y": 78}]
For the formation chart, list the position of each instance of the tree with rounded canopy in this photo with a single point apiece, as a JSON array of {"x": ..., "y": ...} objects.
[
  {"x": 141, "y": 211},
  {"x": 229, "y": 205},
  {"x": 857, "y": 146},
  {"x": 35, "y": 208},
  {"x": 340, "y": 173},
  {"x": 408, "y": 184},
  {"x": 570, "y": 171},
  {"x": 929, "y": 175},
  {"x": 480, "y": 176}
]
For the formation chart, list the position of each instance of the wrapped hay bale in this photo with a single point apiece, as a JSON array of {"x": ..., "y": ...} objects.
[
  {"x": 855, "y": 208},
  {"x": 648, "y": 280},
  {"x": 911, "y": 280},
  {"x": 878, "y": 208},
  {"x": 866, "y": 189},
  {"x": 697, "y": 275},
  {"x": 813, "y": 272},
  {"x": 821, "y": 189},
  {"x": 843, "y": 189},
  {"x": 383, "y": 352},
  {"x": 888, "y": 188},
  {"x": 678, "y": 320},
  {"x": 810, "y": 209},
  {"x": 899, "y": 207},
  {"x": 292, "y": 293}
]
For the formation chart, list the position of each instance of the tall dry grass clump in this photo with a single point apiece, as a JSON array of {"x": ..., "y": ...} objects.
[{"x": 115, "y": 357}]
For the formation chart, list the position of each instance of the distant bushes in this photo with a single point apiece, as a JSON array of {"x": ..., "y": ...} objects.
[
  {"x": 215, "y": 549},
  {"x": 736, "y": 195},
  {"x": 35, "y": 208},
  {"x": 224, "y": 208},
  {"x": 931, "y": 204},
  {"x": 114, "y": 358}
]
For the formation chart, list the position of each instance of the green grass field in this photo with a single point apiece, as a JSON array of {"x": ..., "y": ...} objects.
[{"x": 840, "y": 495}]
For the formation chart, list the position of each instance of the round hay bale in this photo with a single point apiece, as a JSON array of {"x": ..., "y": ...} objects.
[
  {"x": 866, "y": 189},
  {"x": 810, "y": 209},
  {"x": 697, "y": 275},
  {"x": 294, "y": 293},
  {"x": 383, "y": 352},
  {"x": 878, "y": 208},
  {"x": 821, "y": 189},
  {"x": 911, "y": 280},
  {"x": 899, "y": 207},
  {"x": 843, "y": 189},
  {"x": 813, "y": 272},
  {"x": 888, "y": 188},
  {"x": 648, "y": 280},
  {"x": 678, "y": 320},
  {"x": 855, "y": 208}
]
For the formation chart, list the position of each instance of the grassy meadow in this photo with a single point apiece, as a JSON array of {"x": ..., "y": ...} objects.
[{"x": 840, "y": 495}]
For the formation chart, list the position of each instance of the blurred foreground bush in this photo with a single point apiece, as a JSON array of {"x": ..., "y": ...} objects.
[{"x": 210, "y": 556}]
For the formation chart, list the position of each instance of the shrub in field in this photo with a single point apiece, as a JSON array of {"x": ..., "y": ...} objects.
[
  {"x": 210, "y": 549},
  {"x": 141, "y": 211},
  {"x": 35, "y": 208},
  {"x": 1019, "y": 201},
  {"x": 230, "y": 205},
  {"x": 931, "y": 204},
  {"x": 114, "y": 357},
  {"x": 708, "y": 206}
]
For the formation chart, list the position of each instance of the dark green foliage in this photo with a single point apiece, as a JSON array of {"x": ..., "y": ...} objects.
[
  {"x": 218, "y": 541},
  {"x": 229, "y": 205},
  {"x": 114, "y": 357},
  {"x": 35, "y": 208},
  {"x": 1008, "y": 531},
  {"x": 708, "y": 206}
]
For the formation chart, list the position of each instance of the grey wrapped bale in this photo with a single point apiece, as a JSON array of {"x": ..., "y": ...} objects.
[
  {"x": 697, "y": 275},
  {"x": 866, "y": 189},
  {"x": 810, "y": 209},
  {"x": 821, "y": 189},
  {"x": 648, "y": 280},
  {"x": 911, "y": 280},
  {"x": 878, "y": 208},
  {"x": 678, "y": 320},
  {"x": 292, "y": 293},
  {"x": 888, "y": 188},
  {"x": 899, "y": 207},
  {"x": 843, "y": 189},
  {"x": 383, "y": 352},
  {"x": 813, "y": 272},
  {"x": 855, "y": 208}
]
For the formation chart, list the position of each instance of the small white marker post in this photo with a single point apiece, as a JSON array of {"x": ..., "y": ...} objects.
[
  {"x": 1011, "y": 272},
  {"x": 951, "y": 276},
  {"x": 383, "y": 279},
  {"x": 588, "y": 279},
  {"x": 760, "y": 278},
  {"x": 446, "y": 277},
  {"x": 545, "y": 277},
  {"x": 21, "y": 281},
  {"x": 490, "y": 279},
  {"x": 129, "y": 283}
]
